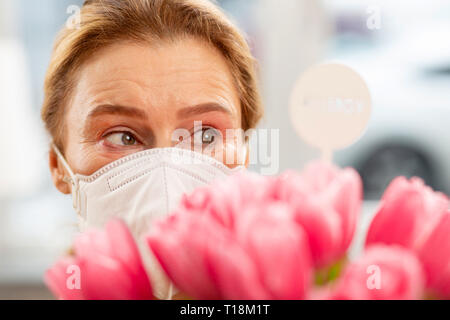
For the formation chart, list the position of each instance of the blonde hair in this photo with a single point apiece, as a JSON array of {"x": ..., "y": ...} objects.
[{"x": 104, "y": 22}]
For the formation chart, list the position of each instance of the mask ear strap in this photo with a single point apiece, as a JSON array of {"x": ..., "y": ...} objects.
[{"x": 73, "y": 178}]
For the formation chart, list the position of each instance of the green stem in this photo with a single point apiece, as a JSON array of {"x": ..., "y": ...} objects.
[{"x": 329, "y": 274}]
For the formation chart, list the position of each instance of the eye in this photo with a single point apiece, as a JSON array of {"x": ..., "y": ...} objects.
[
  {"x": 122, "y": 139},
  {"x": 207, "y": 135}
]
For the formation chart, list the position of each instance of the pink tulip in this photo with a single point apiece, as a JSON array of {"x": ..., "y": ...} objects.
[
  {"x": 323, "y": 228},
  {"x": 327, "y": 201},
  {"x": 226, "y": 198},
  {"x": 416, "y": 217},
  {"x": 258, "y": 252},
  {"x": 382, "y": 273},
  {"x": 409, "y": 211},
  {"x": 109, "y": 266},
  {"x": 280, "y": 249},
  {"x": 180, "y": 243},
  {"x": 435, "y": 256}
]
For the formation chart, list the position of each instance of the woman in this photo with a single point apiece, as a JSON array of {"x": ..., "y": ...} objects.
[{"x": 137, "y": 86}]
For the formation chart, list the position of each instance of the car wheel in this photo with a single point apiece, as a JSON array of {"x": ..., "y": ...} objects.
[{"x": 388, "y": 162}]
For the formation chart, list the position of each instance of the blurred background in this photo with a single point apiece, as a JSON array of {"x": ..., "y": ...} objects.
[{"x": 401, "y": 48}]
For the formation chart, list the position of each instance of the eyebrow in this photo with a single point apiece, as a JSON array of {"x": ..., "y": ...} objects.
[
  {"x": 141, "y": 114},
  {"x": 120, "y": 110},
  {"x": 202, "y": 108}
]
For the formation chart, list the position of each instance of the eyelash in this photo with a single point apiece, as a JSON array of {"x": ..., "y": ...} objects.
[{"x": 128, "y": 132}]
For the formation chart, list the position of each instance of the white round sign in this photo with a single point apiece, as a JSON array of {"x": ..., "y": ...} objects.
[{"x": 330, "y": 106}]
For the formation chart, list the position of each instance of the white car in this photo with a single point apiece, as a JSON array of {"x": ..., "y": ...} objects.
[{"x": 409, "y": 132}]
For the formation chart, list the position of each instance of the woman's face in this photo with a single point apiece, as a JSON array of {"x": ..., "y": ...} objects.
[{"x": 131, "y": 97}]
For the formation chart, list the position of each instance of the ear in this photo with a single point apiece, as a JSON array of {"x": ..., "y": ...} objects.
[{"x": 59, "y": 175}]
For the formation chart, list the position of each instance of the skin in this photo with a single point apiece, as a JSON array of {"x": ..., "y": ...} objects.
[{"x": 131, "y": 97}]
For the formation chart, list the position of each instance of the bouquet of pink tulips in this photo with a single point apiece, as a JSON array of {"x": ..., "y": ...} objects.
[{"x": 285, "y": 237}]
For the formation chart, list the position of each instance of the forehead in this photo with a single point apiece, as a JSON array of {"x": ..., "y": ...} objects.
[{"x": 180, "y": 73}]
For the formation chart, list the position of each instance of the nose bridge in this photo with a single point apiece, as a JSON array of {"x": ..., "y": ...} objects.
[
  {"x": 164, "y": 135},
  {"x": 163, "y": 141}
]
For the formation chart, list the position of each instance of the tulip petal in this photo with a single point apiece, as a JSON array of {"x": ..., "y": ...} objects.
[
  {"x": 435, "y": 256},
  {"x": 409, "y": 211},
  {"x": 234, "y": 272},
  {"x": 109, "y": 265},
  {"x": 280, "y": 249},
  {"x": 323, "y": 228},
  {"x": 179, "y": 244},
  {"x": 346, "y": 192},
  {"x": 104, "y": 278},
  {"x": 125, "y": 250}
]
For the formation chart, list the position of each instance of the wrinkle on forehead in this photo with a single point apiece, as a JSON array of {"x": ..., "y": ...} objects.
[{"x": 180, "y": 73}]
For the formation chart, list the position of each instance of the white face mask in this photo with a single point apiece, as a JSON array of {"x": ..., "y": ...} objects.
[{"x": 139, "y": 189}]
